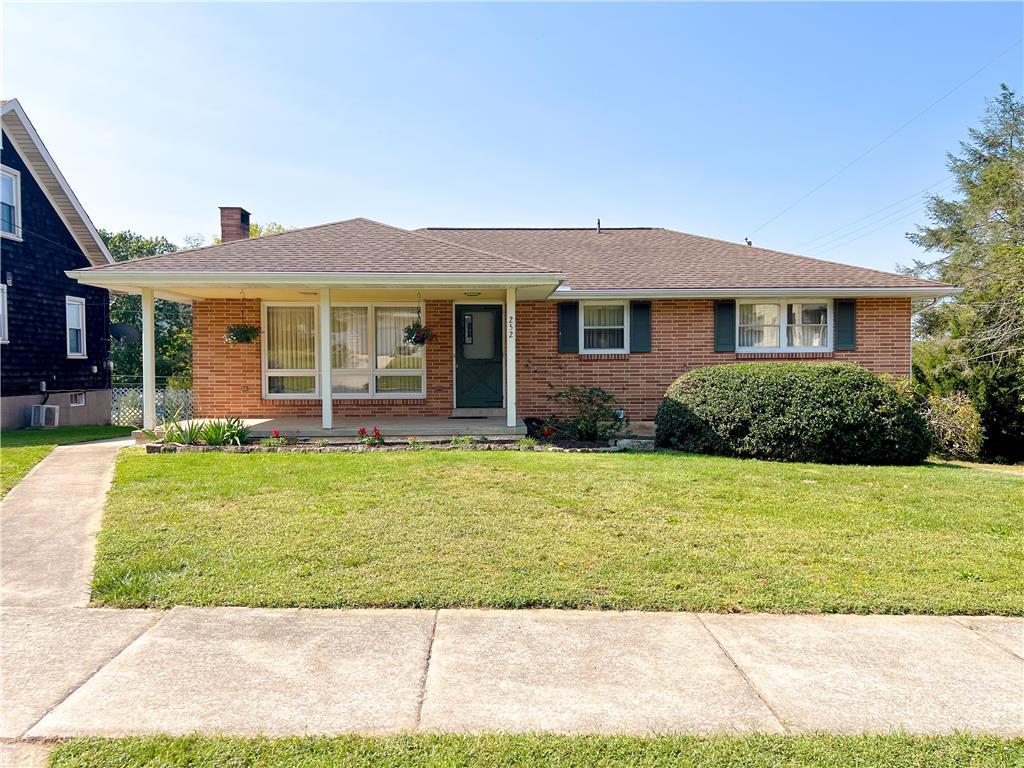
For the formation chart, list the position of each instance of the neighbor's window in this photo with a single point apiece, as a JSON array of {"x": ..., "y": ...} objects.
[
  {"x": 77, "y": 399},
  {"x": 290, "y": 350},
  {"x": 3, "y": 313},
  {"x": 604, "y": 327},
  {"x": 74, "y": 311},
  {"x": 787, "y": 325},
  {"x": 10, "y": 202}
]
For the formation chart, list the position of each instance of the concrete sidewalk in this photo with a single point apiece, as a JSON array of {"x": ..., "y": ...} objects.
[{"x": 69, "y": 670}]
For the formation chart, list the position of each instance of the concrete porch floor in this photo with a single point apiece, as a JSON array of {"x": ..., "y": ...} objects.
[{"x": 390, "y": 426}]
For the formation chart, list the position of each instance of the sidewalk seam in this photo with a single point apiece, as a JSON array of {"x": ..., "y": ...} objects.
[
  {"x": 743, "y": 674},
  {"x": 985, "y": 638},
  {"x": 426, "y": 671},
  {"x": 103, "y": 665}
]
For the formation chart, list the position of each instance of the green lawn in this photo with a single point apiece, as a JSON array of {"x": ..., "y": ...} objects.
[
  {"x": 508, "y": 529},
  {"x": 959, "y": 751},
  {"x": 22, "y": 449}
]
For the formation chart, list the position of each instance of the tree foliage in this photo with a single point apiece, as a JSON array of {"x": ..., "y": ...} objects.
[
  {"x": 173, "y": 320},
  {"x": 974, "y": 342}
]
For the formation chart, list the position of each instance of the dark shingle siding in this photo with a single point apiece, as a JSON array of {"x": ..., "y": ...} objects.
[{"x": 37, "y": 348}]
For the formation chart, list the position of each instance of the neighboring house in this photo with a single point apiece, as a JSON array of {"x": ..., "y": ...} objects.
[
  {"x": 518, "y": 314},
  {"x": 54, "y": 346}
]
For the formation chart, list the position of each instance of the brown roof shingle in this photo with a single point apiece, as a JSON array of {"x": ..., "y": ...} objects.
[
  {"x": 354, "y": 245},
  {"x": 653, "y": 258}
]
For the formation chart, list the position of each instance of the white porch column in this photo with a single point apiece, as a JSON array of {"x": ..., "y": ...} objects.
[
  {"x": 325, "y": 358},
  {"x": 148, "y": 360},
  {"x": 510, "y": 357}
]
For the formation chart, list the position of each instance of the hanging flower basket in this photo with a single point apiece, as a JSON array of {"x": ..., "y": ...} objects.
[
  {"x": 242, "y": 334},
  {"x": 419, "y": 334}
]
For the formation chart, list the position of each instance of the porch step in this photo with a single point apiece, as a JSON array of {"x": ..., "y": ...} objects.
[{"x": 478, "y": 413}]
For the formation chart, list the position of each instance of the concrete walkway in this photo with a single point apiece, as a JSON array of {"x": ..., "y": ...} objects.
[{"x": 69, "y": 670}]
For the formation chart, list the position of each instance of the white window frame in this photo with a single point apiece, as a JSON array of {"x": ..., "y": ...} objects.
[
  {"x": 76, "y": 399},
  {"x": 374, "y": 372},
  {"x": 68, "y": 301},
  {"x": 17, "y": 234},
  {"x": 4, "y": 316},
  {"x": 783, "y": 303},
  {"x": 371, "y": 342},
  {"x": 266, "y": 372},
  {"x": 624, "y": 350}
]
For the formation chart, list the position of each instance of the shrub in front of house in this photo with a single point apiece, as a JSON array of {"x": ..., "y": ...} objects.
[
  {"x": 834, "y": 413},
  {"x": 955, "y": 426}
]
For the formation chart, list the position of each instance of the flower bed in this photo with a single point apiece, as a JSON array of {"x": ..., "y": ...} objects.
[{"x": 384, "y": 447}]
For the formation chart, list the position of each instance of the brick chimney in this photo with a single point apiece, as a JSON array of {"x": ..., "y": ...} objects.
[{"x": 234, "y": 224}]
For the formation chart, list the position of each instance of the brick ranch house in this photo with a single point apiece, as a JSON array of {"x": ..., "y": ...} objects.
[{"x": 517, "y": 314}]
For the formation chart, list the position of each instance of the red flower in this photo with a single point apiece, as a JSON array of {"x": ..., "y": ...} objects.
[
  {"x": 376, "y": 432},
  {"x": 362, "y": 432},
  {"x": 275, "y": 433}
]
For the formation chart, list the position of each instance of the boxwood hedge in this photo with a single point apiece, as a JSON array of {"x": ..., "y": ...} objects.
[{"x": 834, "y": 413}]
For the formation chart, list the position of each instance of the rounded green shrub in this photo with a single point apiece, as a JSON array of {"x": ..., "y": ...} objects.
[{"x": 833, "y": 413}]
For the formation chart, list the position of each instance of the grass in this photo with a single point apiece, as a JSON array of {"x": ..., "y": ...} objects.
[
  {"x": 529, "y": 751},
  {"x": 22, "y": 449},
  {"x": 510, "y": 529}
]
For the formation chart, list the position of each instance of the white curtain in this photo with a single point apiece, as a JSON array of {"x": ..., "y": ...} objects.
[
  {"x": 392, "y": 351},
  {"x": 604, "y": 326},
  {"x": 807, "y": 325},
  {"x": 291, "y": 338},
  {"x": 350, "y": 338},
  {"x": 759, "y": 325}
]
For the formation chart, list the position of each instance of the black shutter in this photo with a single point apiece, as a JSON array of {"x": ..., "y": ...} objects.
[
  {"x": 725, "y": 326},
  {"x": 846, "y": 324},
  {"x": 569, "y": 327},
  {"x": 640, "y": 326}
]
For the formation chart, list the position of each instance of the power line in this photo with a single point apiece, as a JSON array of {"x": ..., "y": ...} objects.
[
  {"x": 869, "y": 232},
  {"x": 913, "y": 195},
  {"x": 871, "y": 149}
]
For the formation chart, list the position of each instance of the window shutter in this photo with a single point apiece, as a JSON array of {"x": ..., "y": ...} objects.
[
  {"x": 569, "y": 327},
  {"x": 846, "y": 324},
  {"x": 725, "y": 326},
  {"x": 640, "y": 326}
]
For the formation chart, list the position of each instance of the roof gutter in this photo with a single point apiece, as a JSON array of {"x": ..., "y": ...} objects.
[{"x": 563, "y": 293}]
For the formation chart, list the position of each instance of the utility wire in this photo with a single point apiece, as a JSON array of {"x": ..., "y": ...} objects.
[
  {"x": 869, "y": 232},
  {"x": 871, "y": 149},
  {"x": 873, "y": 213}
]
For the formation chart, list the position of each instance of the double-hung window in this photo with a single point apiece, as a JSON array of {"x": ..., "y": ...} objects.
[
  {"x": 74, "y": 315},
  {"x": 369, "y": 354},
  {"x": 10, "y": 203},
  {"x": 604, "y": 327},
  {"x": 798, "y": 325}
]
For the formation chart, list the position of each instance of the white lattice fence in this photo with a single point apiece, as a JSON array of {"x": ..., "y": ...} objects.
[{"x": 126, "y": 404}]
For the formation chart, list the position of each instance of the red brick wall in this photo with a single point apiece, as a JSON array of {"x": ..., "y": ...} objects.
[
  {"x": 682, "y": 338},
  {"x": 226, "y": 378}
]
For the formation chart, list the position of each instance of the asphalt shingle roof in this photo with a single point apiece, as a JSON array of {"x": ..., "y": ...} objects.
[
  {"x": 647, "y": 258},
  {"x": 653, "y": 258}
]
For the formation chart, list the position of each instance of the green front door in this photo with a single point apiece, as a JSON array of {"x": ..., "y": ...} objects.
[{"x": 478, "y": 356}]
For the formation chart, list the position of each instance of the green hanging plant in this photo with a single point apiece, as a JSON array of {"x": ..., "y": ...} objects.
[
  {"x": 419, "y": 334},
  {"x": 242, "y": 333}
]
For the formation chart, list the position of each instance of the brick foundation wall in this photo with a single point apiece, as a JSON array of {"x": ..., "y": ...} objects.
[{"x": 226, "y": 377}]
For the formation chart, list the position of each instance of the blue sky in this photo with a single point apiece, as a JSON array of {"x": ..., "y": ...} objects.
[{"x": 709, "y": 118}]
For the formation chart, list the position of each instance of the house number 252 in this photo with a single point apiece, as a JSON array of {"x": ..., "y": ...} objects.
[{"x": 511, "y": 327}]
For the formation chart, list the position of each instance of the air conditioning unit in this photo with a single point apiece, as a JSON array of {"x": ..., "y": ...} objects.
[{"x": 45, "y": 415}]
